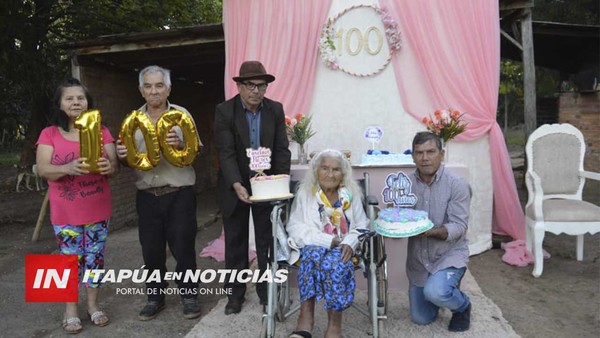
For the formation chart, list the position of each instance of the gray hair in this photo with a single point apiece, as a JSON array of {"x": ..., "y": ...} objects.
[
  {"x": 310, "y": 183},
  {"x": 424, "y": 136},
  {"x": 155, "y": 69}
]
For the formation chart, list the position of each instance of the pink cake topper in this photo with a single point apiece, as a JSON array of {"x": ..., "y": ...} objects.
[
  {"x": 398, "y": 190},
  {"x": 260, "y": 159}
]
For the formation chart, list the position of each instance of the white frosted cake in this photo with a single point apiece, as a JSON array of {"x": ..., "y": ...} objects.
[
  {"x": 270, "y": 187},
  {"x": 385, "y": 159},
  {"x": 402, "y": 222}
]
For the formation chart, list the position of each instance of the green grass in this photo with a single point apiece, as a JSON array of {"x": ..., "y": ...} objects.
[
  {"x": 9, "y": 157},
  {"x": 515, "y": 136}
]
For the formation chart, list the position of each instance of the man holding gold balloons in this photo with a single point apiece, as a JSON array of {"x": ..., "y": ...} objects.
[
  {"x": 160, "y": 141},
  {"x": 248, "y": 120}
]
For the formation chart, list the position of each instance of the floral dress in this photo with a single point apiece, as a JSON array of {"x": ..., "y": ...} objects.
[{"x": 322, "y": 273}]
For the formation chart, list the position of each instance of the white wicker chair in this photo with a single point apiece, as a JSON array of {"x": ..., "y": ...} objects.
[{"x": 555, "y": 179}]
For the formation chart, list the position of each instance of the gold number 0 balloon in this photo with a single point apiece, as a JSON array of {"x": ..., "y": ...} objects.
[
  {"x": 89, "y": 124},
  {"x": 184, "y": 157},
  {"x": 142, "y": 161}
]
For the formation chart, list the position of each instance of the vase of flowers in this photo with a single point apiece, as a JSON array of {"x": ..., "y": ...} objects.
[
  {"x": 299, "y": 130},
  {"x": 447, "y": 124}
]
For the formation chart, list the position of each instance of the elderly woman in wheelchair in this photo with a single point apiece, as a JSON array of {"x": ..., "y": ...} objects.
[{"x": 324, "y": 221}]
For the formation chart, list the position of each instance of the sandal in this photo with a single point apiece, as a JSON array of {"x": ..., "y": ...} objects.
[
  {"x": 99, "y": 318},
  {"x": 72, "y": 325},
  {"x": 300, "y": 334}
]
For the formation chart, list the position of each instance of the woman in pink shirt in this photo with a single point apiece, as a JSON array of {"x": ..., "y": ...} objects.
[{"x": 80, "y": 202}]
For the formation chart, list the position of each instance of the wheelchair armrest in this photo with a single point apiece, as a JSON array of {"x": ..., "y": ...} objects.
[{"x": 372, "y": 200}]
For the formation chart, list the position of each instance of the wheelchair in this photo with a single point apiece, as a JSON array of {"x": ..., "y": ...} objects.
[{"x": 370, "y": 257}]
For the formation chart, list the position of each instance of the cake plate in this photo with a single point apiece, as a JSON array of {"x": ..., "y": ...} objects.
[
  {"x": 271, "y": 199},
  {"x": 386, "y": 233}
]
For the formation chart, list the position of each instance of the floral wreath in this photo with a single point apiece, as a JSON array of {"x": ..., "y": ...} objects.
[{"x": 327, "y": 47}]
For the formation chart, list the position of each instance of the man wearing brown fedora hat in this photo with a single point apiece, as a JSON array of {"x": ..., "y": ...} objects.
[{"x": 248, "y": 120}]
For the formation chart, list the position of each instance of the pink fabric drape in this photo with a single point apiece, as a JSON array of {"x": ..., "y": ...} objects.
[
  {"x": 281, "y": 34},
  {"x": 451, "y": 58}
]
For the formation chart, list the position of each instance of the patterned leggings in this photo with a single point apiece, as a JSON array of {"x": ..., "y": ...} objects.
[
  {"x": 323, "y": 274},
  {"x": 87, "y": 242}
]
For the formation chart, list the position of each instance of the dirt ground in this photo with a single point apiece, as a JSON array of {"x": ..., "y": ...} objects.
[{"x": 563, "y": 302}]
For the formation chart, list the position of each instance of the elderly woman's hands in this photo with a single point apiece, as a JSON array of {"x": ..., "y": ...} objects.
[{"x": 347, "y": 251}]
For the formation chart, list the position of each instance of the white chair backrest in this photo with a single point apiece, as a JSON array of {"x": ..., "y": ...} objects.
[{"x": 555, "y": 153}]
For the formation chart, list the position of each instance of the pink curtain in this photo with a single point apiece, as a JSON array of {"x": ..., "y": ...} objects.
[
  {"x": 450, "y": 57},
  {"x": 281, "y": 34}
]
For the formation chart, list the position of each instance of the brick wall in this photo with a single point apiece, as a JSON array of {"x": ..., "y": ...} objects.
[
  {"x": 116, "y": 94},
  {"x": 583, "y": 111}
]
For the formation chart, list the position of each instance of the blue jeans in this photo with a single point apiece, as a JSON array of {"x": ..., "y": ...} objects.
[{"x": 440, "y": 290}]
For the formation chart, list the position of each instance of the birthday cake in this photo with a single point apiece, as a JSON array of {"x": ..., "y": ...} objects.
[
  {"x": 402, "y": 222},
  {"x": 385, "y": 158},
  {"x": 273, "y": 187}
]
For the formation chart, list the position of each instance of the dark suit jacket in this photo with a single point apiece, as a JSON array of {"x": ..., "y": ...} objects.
[{"x": 232, "y": 140}]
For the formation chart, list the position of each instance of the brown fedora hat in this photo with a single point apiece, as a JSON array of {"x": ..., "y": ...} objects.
[{"x": 253, "y": 70}]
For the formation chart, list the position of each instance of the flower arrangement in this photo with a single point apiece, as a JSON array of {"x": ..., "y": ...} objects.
[
  {"x": 446, "y": 123},
  {"x": 327, "y": 47},
  {"x": 299, "y": 129},
  {"x": 391, "y": 30}
]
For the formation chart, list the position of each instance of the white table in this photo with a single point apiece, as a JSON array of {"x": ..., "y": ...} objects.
[{"x": 395, "y": 247}]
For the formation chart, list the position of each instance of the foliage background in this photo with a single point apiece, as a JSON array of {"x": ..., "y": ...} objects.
[
  {"x": 32, "y": 61},
  {"x": 510, "y": 100}
]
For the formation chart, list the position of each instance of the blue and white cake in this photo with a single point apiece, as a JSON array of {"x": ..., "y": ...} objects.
[
  {"x": 402, "y": 222},
  {"x": 384, "y": 157}
]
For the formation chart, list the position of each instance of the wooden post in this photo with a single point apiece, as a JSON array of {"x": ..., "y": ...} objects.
[
  {"x": 40, "y": 220},
  {"x": 529, "y": 96}
]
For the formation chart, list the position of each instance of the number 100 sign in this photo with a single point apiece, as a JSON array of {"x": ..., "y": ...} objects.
[
  {"x": 155, "y": 139},
  {"x": 353, "y": 41}
]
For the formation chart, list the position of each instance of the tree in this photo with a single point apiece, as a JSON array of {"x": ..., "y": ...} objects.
[
  {"x": 32, "y": 31},
  {"x": 511, "y": 90},
  {"x": 582, "y": 12}
]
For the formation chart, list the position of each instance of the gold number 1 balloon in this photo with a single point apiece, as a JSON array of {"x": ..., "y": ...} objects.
[
  {"x": 89, "y": 124},
  {"x": 142, "y": 161},
  {"x": 184, "y": 157}
]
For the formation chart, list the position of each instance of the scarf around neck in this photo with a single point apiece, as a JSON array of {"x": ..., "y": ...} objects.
[{"x": 333, "y": 217}]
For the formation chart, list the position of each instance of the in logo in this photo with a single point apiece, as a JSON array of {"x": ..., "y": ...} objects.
[{"x": 51, "y": 278}]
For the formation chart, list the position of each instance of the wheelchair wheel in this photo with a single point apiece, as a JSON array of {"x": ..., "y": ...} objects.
[
  {"x": 382, "y": 276},
  {"x": 281, "y": 306},
  {"x": 382, "y": 286},
  {"x": 263, "y": 328}
]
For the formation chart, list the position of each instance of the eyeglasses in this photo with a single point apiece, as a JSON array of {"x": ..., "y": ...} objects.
[{"x": 251, "y": 86}]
